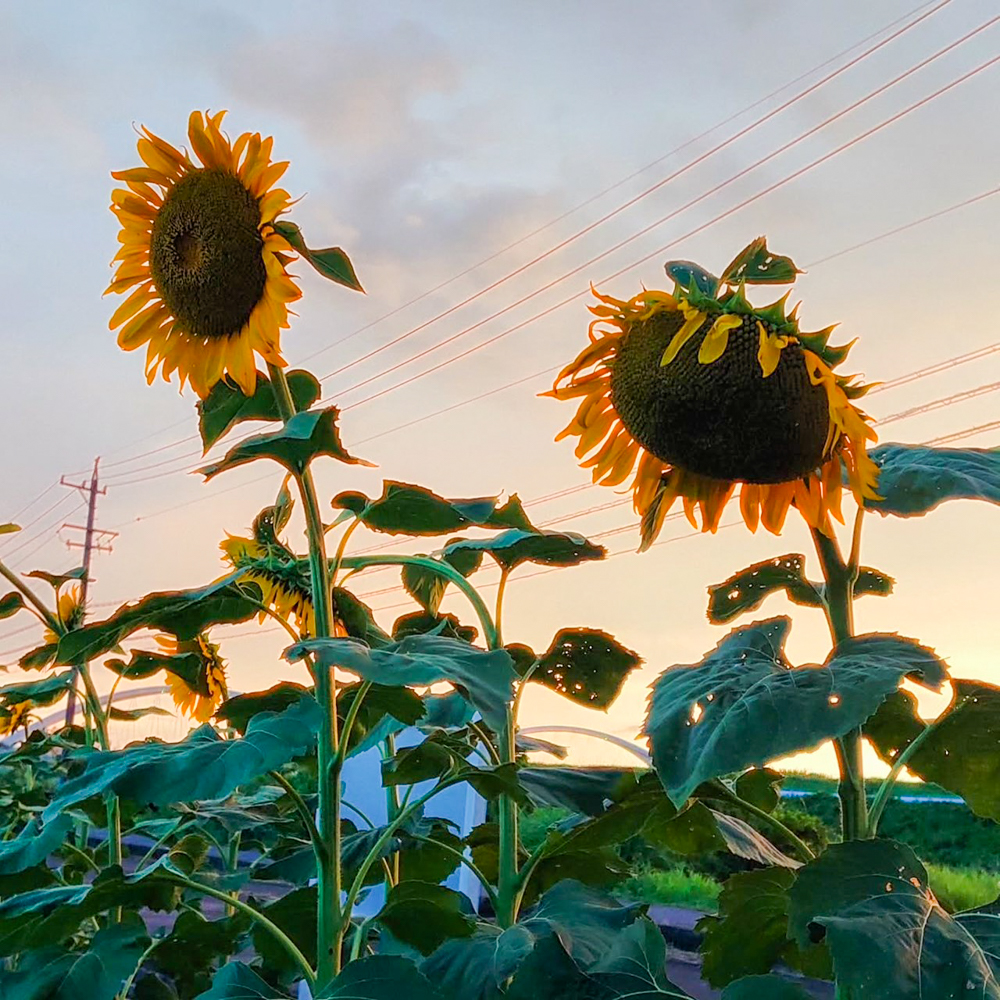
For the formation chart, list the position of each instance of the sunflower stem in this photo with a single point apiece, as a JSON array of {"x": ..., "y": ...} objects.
[
  {"x": 838, "y": 605},
  {"x": 330, "y": 917}
]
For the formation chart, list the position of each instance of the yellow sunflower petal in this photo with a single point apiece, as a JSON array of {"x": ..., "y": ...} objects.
[{"x": 717, "y": 339}]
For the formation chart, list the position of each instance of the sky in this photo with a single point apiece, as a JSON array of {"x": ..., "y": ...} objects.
[{"x": 453, "y": 148}]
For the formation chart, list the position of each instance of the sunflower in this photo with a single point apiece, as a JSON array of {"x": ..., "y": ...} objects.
[
  {"x": 13, "y": 717},
  {"x": 285, "y": 584},
  {"x": 205, "y": 267},
  {"x": 202, "y": 695},
  {"x": 697, "y": 392},
  {"x": 70, "y": 609}
]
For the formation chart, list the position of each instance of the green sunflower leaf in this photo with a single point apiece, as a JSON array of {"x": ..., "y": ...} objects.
[
  {"x": 960, "y": 754},
  {"x": 427, "y": 586},
  {"x": 484, "y": 677},
  {"x": 184, "y": 613},
  {"x": 425, "y": 915},
  {"x": 405, "y": 509},
  {"x": 202, "y": 766},
  {"x": 691, "y": 276},
  {"x": 422, "y": 622},
  {"x": 46, "y": 691},
  {"x": 514, "y": 547},
  {"x": 97, "y": 974},
  {"x": 853, "y": 892},
  {"x": 746, "y": 590},
  {"x": 225, "y": 405},
  {"x": 756, "y": 265},
  {"x": 239, "y": 710},
  {"x": 381, "y": 977},
  {"x": 759, "y": 786},
  {"x": 584, "y": 790},
  {"x": 295, "y": 914},
  {"x": 236, "y": 981},
  {"x": 135, "y": 714},
  {"x": 333, "y": 263},
  {"x": 914, "y": 479},
  {"x": 764, "y": 988},
  {"x": 33, "y": 844},
  {"x": 306, "y": 436},
  {"x": 9, "y": 528},
  {"x": 743, "y": 704},
  {"x": 757, "y": 899},
  {"x": 358, "y": 618},
  {"x": 39, "y": 657},
  {"x": 587, "y": 666},
  {"x": 144, "y": 663},
  {"x": 193, "y": 945},
  {"x": 56, "y": 580},
  {"x": 10, "y": 604}
]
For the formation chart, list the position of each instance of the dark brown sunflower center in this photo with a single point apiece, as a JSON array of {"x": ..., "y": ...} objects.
[
  {"x": 205, "y": 253},
  {"x": 723, "y": 420}
]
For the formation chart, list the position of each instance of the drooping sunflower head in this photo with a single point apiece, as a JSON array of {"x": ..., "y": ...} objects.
[
  {"x": 197, "y": 695},
  {"x": 70, "y": 609},
  {"x": 699, "y": 392},
  {"x": 14, "y": 716},
  {"x": 201, "y": 257}
]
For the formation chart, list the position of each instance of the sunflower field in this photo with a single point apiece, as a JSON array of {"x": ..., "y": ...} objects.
[{"x": 232, "y": 864}]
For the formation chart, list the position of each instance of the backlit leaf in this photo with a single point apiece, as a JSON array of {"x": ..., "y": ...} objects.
[
  {"x": 426, "y": 915},
  {"x": 588, "y": 666},
  {"x": 516, "y": 546},
  {"x": 10, "y": 604},
  {"x": 332, "y": 262}
]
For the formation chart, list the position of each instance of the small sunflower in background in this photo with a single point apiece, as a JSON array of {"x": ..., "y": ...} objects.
[
  {"x": 284, "y": 582},
  {"x": 201, "y": 257},
  {"x": 70, "y": 609},
  {"x": 698, "y": 392},
  {"x": 14, "y": 716},
  {"x": 200, "y": 694}
]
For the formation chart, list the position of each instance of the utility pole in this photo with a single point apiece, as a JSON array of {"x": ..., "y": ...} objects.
[{"x": 90, "y": 491}]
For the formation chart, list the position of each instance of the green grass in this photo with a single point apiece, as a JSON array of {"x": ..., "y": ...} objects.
[
  {"x": 671, "y": 887},
  {"x": 963, "y": 888}
]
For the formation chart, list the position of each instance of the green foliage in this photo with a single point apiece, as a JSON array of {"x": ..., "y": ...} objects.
[
  {"x": 586, "y": 665},
  {"x": 914, "y": 479},
  {"x": 516, "y": 546},
  {"x": 484, "y": 677},
  {"x": 405, "y": 509},
  {"x": 960, "y": 751},
  {"x": 10, "y": 604},
  {"x": 225, "y": 405},
  {"x": 333, "y": 263},
  {"x": 743, "y": 704},
  {"x": 304, "y": 437},
  {"x": 845, "y": 896},
  {"x": 764, "y": 988},
  {"x": 425, "y": 915}
]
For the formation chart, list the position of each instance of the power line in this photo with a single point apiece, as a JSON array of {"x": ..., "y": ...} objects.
[
  {"x": 31, "y": 503},
  {"x": 636, "y": 198},
  {"x": 968, "y": 432},
  {"x": 693, "y": 232},
  {"x": 937, "y": 404}
]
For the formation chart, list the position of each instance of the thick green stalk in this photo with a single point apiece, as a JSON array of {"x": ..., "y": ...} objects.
[
  {"x": 507, "y": 873},
  {"x": 840, "y": 577},
  {"x": 330, "y": 929},
  {"x": 113, "y": 806}
]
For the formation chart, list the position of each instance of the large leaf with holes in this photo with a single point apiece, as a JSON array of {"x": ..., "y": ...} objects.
[
  {"x": 226, "y": 405},
  {"x": 747, "y": 590},
  {"x": 914, "y": 479},
  {"x": 586, "y": 665},
  {"x": 202, "y": 766},
  {"x": 95, "y": 974},
  {"x": 743, "y": 704},
  {"x": 406, "y": 509},
  {"x": 960, "y": 754},
  {"x": 184, "y": 613},
  {"x": 516, "y": 546},
  {"x": 759, "y": 900},
  {"x": 486, "y": 678},
  {"x": 304, "y": 437},
  {"x": 871, "y": 904}
]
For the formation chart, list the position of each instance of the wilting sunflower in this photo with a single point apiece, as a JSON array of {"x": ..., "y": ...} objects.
[
  {"x": 200, "y": 694},
  {"x": 200, "y": 253},
  {"x": 70, "y": 610},
  {"x": 283, "y": 580},
  {"x": 698, "y": 392},
  {"x": 13, "y": 717}
]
